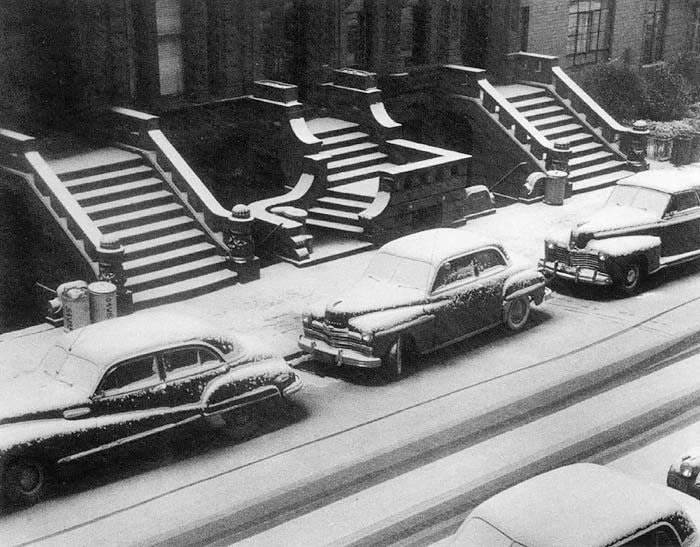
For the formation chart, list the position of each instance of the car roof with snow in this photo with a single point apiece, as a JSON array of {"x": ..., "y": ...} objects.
[
  {"x": 670, "y": 182},
  {"x": 434, "y": 246},
  {"x": 105, "y": 342},
  {"x": 581, "y": 505}
]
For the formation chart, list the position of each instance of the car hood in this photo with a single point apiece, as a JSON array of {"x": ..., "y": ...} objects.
[
  {"x": 370, "y": 296},
  {"x": 36, "y": 395},
  {"x": 614, "y": 218}
]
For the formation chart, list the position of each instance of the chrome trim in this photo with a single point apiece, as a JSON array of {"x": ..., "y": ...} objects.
[{"x": 322, "y": 351}]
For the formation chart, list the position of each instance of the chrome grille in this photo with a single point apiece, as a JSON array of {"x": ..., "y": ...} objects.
[
  {"x": 559, "y": 254},
  {"x": 338, "y": 338},
  {"x": 585, "y": 260}
]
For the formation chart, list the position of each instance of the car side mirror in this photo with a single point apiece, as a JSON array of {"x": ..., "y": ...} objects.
[{"x": 76, "y": 413}]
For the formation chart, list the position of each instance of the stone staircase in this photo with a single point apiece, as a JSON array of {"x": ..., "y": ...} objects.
[
  {"x": 169, "y": 254},
  {"x": 593, "y": 163},
  {"x": 353, "y": 164}
]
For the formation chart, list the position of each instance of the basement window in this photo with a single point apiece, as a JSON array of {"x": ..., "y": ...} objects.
[{"x": 589, "y": 31}]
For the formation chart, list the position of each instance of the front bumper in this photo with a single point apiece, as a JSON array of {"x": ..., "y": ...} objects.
[
  {"x": 578, "y": 274},
  {"x": 294, "y": 387},
  {"x": 326, "y": 353}
]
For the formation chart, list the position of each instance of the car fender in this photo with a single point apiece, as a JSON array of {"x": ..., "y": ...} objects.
[
  {"x": 243, "y": 385},
  {"x": 386, "y": 325},
  {"x": 618, "y": 249},
  {"x": 528, "y": 282}
]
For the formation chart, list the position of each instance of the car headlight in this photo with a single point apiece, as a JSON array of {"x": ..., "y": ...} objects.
[
  {"x": 550, "y": 245},
  {"x": 602, "y": 257},
  {"x": 687, "y": 469},
  {"x": 306, "y": 318},
  {"x": 367, "y": 337}
]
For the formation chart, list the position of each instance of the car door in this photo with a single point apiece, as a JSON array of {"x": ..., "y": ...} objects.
[
  {"x": 681, "y": 225},
  {"x": 188, "y": 370},
  {"x": 130, "y": 401}
]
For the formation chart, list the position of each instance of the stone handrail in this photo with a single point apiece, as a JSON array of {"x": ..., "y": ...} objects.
[{"x": 27, "y": 162}]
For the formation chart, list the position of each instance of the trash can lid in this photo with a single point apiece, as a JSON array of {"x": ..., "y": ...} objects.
[
  {"x": 102, "y": 287},
  {"x": 556, "y": 173}
]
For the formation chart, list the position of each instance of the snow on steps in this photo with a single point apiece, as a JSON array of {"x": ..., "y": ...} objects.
[{"x": 167, "y": 255}]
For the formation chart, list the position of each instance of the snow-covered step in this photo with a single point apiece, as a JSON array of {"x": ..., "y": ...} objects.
[
  {"x": 124, "y": 205},
  {"x": 350, "y": 205},
  {"x": 602, "y": 181},
  {"x": 585, "y": 148},
  {"x": 552, "y": 121},
  {"x": 544, "y": 112},
  {"x": 343, "y": 140},
  {"x": 559, "y": 132},
  {"x": 531, "y": 104},
  {"x": 334, "y": 214},
  {"x": 184, "y": 289},
  {"x": 329, "y": 127},
  {"x": 139, "y": 217},
  {"x": 337, "y": 226},
  {"x": 164, "y": 243},
  {"x": 590, "y": 159},
  {"x": 356, "y": 161},
  {"x": 176, "y": 272},
  {"x": 577, "y": 138},
  {"x": 351, "y": 150},
  {"x": 594, "y": 170},
  {"x": 359, "y": 174},
  {"x": 153, "y": 229},
  {"x": 183, "y": 253},
  {"x": 109, "y": 178},
  {"x": 119, "y": 191}
]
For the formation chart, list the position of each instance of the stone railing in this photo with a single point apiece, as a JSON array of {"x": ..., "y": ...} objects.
[
  {"x": 104, "y": 254},
  {"x": 424, "y": 187},
  {"x": 545, "y": 69},
  {"x": 143, "y": 132}
]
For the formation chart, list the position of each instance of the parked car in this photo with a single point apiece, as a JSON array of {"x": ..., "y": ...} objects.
[
  {"x": 583, "y": 505},
  {"x": 683, "y": 473},
  {"x": 650, "y": 221},
  {"x": 420, "y": 293},
  {"x": 123, "y": 380}
]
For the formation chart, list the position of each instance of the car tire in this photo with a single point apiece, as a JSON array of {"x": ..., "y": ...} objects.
[
  {"x": 517, "y": 312},
  {"x": 24, "y": 480},
  {"x": 628, "y": 284},
  {"x": 398, "y": 359},
  {"x": 241, "y": 423}
]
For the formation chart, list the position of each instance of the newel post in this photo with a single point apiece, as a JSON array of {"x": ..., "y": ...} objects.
[
  {"x": 238, "y": 237},
  {"x": 110, "y": 257}
]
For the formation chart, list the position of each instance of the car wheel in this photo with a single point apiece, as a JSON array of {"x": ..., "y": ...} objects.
[
  {"x": 24, "y": 481},
  {"x": 517, "y": 313},
  {"x": 631, "y": 277},
  {"x": 242, "y": 423},
  {"x": 398, "y": 359}
]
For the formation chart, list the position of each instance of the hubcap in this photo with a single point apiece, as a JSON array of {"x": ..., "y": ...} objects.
[
  {"x": 517, "y": 311},
  {"x": 631, "y": 276}
]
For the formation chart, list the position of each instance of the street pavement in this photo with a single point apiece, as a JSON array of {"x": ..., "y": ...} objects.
[{"x": 270, "y": 308}]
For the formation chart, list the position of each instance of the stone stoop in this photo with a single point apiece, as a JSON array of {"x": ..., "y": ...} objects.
[
  {"x": 593, "y": 164},
  {"x": 168, "y": 254},
  {"x": 353, "y": 163}
]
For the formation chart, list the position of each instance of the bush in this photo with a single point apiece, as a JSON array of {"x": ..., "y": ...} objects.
[
  {"x": 666, "y": 94},
  {"x": 617, "y": 88},
  {"x": 688, "y": 65},
  {"x": 668, "y": 130}
]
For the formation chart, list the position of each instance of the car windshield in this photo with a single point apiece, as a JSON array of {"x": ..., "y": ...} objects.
[
  {"x": 70, "y": 369},
  {"x": 404, "y": 272},
  {"x": 638, "y": 197},
  {"x": 476, "y": 531}
]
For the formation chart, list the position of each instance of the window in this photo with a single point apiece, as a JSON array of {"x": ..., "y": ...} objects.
[
  {"x": 489, "y": 261},
  {"x": 654, "y": 23},
  {"x": 524, "y": 27},
  {"x": 183, "y": 361},
  {"x": 459, "y": 269},
  {"x": 413, "y": 29},
  {"x": 589, "y": 31},
  {"x": 686, "y": 200},
  {"x": 170, "y": 57},
  {"x": 356, "y": 23},
  {"x": 279, "y": 39},
  {"x": 130, "y": 375},
  {"x": 695, "y": 44}
]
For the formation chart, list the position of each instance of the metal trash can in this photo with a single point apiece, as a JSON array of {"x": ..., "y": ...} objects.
[
  {"x": 103, "y": 301},
  {"x": 555, "y": 187},
  {"x": 682, "y": 151},
  {"x": 75, "y": 303}
]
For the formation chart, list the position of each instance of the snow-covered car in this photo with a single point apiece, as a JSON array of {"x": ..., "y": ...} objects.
[
  {"x": 650, "y": 221},
  {"x": 583, "y": 505},
  {"x": 420, "y": 293},
  {"x": 125, "y": 380},
  {"x": 683, "y": 474}
]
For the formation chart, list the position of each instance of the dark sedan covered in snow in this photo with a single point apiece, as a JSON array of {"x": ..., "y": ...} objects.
[
  {"x": 650, "y": 221},
  {"x": 124, "y": 380},
  {"x": 420, "y": 293}
]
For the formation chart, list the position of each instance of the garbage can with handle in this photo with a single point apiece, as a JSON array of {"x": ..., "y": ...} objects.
[
  {"x": 103, "y": 301},
  {"x": 555, "y": 187}
]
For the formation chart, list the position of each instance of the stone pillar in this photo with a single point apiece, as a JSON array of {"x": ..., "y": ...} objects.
[
  {"x": 238, "y": 237},
  {"x": 110, "y": 261}
]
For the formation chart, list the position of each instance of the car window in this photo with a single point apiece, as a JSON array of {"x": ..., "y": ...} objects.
[
  {"x": 458, "y": 269},
  {"x": 183, "y": 361},
  {"x": 130, "y": 375},
  {"x": 684, "y": 201},
  {"x": 489, "y": 261},
  {"x": 658, "y": 537}
]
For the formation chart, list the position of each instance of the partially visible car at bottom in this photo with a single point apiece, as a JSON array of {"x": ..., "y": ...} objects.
[
  {"x": 124, "y": 380},
  {"x": 583, "y": 505},
  {"x": 419, "y": 293},
  {"x": 650, "y": 221}
]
